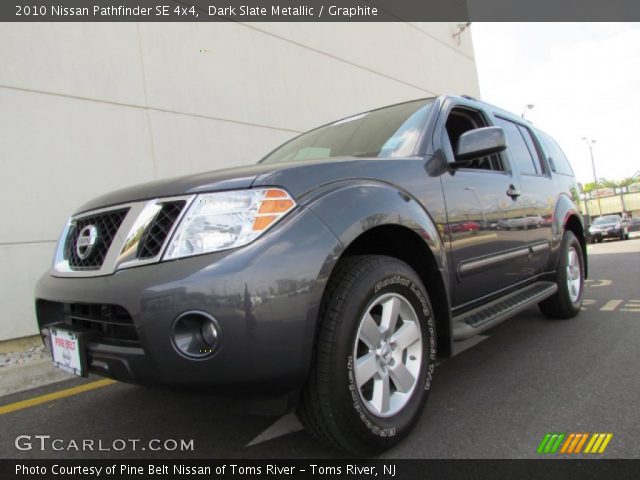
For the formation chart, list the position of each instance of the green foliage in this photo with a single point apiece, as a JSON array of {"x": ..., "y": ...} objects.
[{"x": 606, "y": 183}]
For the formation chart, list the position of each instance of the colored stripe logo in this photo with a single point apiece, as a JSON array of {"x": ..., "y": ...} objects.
[{"x": 573, "y": 443}]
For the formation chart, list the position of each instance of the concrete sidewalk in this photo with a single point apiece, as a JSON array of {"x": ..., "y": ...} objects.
[{"x": 24, "y": 364}]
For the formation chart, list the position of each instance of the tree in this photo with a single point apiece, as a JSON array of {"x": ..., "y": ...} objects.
[
  {"x": 606, "y": 183},
  {"x": 625, "y": 182}
]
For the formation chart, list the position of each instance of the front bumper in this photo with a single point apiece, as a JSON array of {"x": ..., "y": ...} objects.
[
  {"x": 265, "y": 297},
  {"x": 611, "y": 233}
]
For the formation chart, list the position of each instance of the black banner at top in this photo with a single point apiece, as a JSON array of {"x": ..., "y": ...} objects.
[{"x": 317, "y": 10}]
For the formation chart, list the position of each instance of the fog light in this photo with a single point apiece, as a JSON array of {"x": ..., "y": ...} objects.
[{"x": 196, "y": 334}]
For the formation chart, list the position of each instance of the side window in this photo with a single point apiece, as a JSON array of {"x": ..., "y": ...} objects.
[
  {"x": 557, "y": 160},
  {"x": 517, "y": 147},
  {"x": 531, "y": 145},
  {"x": 462, "y": 120}
]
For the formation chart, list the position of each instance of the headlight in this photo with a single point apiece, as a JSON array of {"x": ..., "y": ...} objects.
[{"x": 223, "y": 220}]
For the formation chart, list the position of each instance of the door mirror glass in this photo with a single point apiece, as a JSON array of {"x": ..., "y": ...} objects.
[{"x": 478, "y": 143}]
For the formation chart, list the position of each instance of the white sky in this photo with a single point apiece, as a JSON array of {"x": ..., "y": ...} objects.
[{"x": 583, "y": 78}]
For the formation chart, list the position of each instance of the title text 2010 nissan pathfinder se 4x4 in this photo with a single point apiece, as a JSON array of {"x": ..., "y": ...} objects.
[{"x": 332, "y": 273}]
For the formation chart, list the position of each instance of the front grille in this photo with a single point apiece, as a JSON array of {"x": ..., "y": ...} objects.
[
  {"x": 156, "y": 233},
  {"x": 102, "y": 322},
  {"x": 107, "y": 225},
  {"x": 108, "y": 323}
]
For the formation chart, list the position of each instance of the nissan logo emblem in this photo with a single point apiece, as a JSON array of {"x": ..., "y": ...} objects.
[{"x": 86, "y": 241}]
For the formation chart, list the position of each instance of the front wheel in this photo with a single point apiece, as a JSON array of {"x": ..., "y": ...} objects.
[
  {"x": 567, "y": 301},
  {"x": 374, "y": 356}
]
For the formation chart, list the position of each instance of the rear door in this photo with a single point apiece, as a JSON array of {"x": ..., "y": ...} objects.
[
  {"x": 488, "y": 247},
  {"x": 538, "y": 199}
]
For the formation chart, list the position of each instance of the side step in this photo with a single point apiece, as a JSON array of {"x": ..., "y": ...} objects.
[{"x": 486, "y": 316}]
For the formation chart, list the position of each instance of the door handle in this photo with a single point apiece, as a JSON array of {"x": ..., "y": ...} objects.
[{"x": 513, "y": 192}]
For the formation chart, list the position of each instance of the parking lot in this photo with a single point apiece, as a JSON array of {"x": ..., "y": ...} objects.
[{"x": 496, "y": 398}]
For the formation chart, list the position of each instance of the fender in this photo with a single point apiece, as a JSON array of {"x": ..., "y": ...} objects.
[
  {"x": 367, "y": 204},
  {"x": 565, "y": 210}
]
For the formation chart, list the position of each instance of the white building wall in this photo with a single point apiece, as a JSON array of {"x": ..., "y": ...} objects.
[{"x": 88, "y": 108}]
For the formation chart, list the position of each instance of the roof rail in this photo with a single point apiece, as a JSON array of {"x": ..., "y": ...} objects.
[{"x": 469, "y": 97}]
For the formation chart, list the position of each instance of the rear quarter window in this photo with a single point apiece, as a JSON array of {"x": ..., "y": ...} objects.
[{"x": 556, "y": 157}]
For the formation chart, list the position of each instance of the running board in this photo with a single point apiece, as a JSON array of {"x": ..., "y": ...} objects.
[{"x": 479, "y": 319}]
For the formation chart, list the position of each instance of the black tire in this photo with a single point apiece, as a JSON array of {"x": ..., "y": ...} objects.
[
  {"x": 561, "y": 305},
  {"x": 331, "y": 407}
]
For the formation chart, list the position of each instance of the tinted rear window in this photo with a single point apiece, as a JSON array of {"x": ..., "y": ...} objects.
[
  {"x": 557, "y": 160},
  {"x": 517, "y": 148}
]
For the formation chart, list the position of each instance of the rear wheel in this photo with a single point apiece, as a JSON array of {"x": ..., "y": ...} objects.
[
  {"x": 567, "y": 301},
  {"x": 374, "y": 356}
]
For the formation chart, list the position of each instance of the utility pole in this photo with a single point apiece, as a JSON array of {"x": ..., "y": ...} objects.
[{"x": 593, "y": 166}]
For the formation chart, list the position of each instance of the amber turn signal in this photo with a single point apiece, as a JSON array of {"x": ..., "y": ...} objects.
[{"x": 275, "y": 204}]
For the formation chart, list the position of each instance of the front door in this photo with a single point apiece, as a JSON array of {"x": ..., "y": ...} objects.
[{"x": 485, "y": 222}]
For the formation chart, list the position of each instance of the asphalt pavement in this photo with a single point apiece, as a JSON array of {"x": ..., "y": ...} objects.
[{"x": 497, "y": 398}]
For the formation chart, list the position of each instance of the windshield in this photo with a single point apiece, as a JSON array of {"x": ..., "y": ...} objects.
[
  {"x": 388, "y": 132},
  {"x": 606, "y": 219}
]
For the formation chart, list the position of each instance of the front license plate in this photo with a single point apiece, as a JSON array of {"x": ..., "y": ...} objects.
[{"x": 66, "y": 350}]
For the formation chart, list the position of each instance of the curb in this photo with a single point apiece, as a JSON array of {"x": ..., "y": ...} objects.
[
  {"x": 20, "y": 344},
  {"x": 24, "y": 376}
]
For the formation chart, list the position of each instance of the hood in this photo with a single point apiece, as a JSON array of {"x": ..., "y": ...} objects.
[
  {"x": 296, "y": 177},
  {"x": 226, "y": 179}
]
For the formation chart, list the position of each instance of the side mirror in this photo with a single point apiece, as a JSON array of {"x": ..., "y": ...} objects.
[{"x": 479, "y": 143}]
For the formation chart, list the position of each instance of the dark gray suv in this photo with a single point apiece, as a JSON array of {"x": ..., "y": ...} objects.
[{"x": 333, "y": 274}]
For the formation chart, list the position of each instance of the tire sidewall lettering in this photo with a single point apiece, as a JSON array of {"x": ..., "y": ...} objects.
[{"x": 414, "y": 294}]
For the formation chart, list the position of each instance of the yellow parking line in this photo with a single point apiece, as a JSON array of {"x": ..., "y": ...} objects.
[
  {"x": 32, "y": 402},
  {"x": 611, "y": 305}
]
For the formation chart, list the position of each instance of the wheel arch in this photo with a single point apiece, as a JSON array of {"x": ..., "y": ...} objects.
[
  {"x": 574, "y": 225},
  {"x": 394, "y": 224},
  {"x": 567, "y": 217},
  {"x": 404, "y": 244}
]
